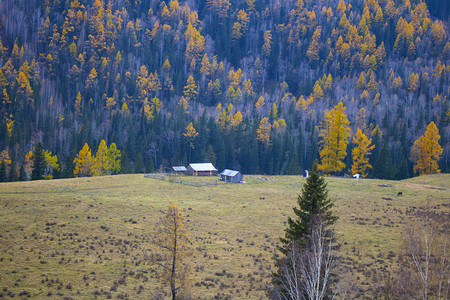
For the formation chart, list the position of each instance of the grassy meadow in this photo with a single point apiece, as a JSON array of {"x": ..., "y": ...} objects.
[{"x": 87, "y": 238}]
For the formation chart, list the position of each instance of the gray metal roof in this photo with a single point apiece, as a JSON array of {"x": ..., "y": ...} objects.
[
  {"x": 179, "y": 169},
  {"x": 203, "y": 167},
  {"x": 230, "y": 173}
]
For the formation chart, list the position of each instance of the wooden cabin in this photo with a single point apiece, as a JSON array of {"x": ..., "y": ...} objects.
[
  {"x": 203, "y": 169},
  {"x": 231, "y": 176},
  {"x": 179, "y": 170}
]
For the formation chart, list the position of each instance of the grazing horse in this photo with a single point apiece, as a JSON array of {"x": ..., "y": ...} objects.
[{"x": 399, "y": 194}]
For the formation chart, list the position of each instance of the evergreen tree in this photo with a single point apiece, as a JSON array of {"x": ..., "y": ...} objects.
[
  {"x": 67, "y": 171},
  {"x": 39, "y": 163},
  {"x": 139, "y": 167},
  {"x": 383, "y": 167},
  {"x": 22, "y": 175},
  {"x": 313, "y": 213},
  {"x": 150, "y": 167},
  {"x": 294, "y": 165},
  {"x": 3, "y": 177},
  {"x": 13, "y": 176},
  {"x": 126, "y": 165},
  {"x": 312, "y": 202},
  {"x": 403, "y": 172}
]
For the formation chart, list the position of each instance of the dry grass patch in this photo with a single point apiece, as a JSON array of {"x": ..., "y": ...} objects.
[{"x": 87, "y": 237}]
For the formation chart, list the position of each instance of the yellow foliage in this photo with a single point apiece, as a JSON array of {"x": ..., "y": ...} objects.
[
  {"x": 51, "y": 163},
  {"x": 91, "y": 78},
  {"x": 100, "y": 163},
  {"x": 83, "y": 162},
  {"x": 360, "y": 153},
  {"x": 184, "y": 103},
  {"x": 9, "y": 125},
  {"x": 426, "y": 151},
  {"x": 237, "y": 119},
  {"x": 281, "y": 123},
  {"x": 263, "y": 132},
  {"x": 4, "y": 158},
  {"x": 260, "y": 103},
  {"x": 267, "y": 43},
  {"x": 335, "y": 133},
  {"x": 172, "y": 239},
  {"x": 190, "y": 89}
]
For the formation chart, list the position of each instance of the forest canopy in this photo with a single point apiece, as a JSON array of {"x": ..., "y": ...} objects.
[{"x": 255, "y": 80}]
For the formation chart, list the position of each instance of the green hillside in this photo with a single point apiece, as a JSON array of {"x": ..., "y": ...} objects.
[{"x": 88, "y": 237}]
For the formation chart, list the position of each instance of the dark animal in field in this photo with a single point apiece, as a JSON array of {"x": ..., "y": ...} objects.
[{"x": 399, "y": 194}]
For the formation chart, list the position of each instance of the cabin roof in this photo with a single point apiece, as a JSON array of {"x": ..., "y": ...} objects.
[
  {"x": 202, "y": 167},
  {"x": 230, "y": 173},
  {"x": 179, "y": 168}
]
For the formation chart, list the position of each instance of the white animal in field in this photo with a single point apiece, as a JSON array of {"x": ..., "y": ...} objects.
[{"x": 356, "y": 176}]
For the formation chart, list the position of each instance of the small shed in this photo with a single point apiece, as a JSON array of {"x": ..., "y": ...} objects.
[
  {"x": 203, "y": 169},
  {"x": 231, "y": 176},
  {"x": 179, "y": 170}
]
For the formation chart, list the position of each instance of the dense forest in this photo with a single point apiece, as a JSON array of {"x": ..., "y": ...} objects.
[{"x": 241, "y": 84}]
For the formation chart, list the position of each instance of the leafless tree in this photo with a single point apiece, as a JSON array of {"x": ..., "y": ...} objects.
[
  {"x": 172, "y": 239},
  {"x": 425, "y": 269},
  {"x": 307, "y": 270}
]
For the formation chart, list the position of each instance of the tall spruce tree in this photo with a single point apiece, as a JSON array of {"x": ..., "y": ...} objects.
[
  {"x": 39, "y": 163},
  {"x": 312, "y": 202},
  {"x": 313, "y": 214}
]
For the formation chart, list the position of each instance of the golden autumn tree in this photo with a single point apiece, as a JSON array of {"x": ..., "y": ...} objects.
[
  {"x": 83, "y": 162},
  {"x": 24, "y": 91},
  {"x": 263, "y": 132},
  {"x": 426, "y": 151},
  {"x": 100, "y": 162},
  {"x": 190, "y": 135},
  {"x": 113, "y": 159},
  {"x": 51, "y": 162},
  {"x": 172, "y": 239},
  {"x": 360, "y": 153},
  {"x": 190, "y": 89},
  {"x": 335, "y": 133},
  {"x": 313, "y": 49}
]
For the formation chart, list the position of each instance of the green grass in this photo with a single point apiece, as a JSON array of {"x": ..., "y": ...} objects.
[{"x": 92, "y": 232}]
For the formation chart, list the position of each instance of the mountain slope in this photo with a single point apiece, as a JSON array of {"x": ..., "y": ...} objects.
[{"x": 137, "y": 73}]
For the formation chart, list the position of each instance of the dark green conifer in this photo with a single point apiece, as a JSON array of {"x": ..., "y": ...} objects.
[
  {"x": 67, "y": 171},
  {"x": 13, "y": 171},
  {"x": 383, "y": 167},
  {"x": 39, "y": 163},
  {"x": 312, "y": 202},
  {"x": 3, "y": 176},
  {"x": 22, "y": 176}
]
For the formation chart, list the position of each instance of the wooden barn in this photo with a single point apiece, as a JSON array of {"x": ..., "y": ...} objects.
[
  {"x": 231, "y": 176},
  {"x": 204, "y": 169},
  {"x": 179, "y": 170}
]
